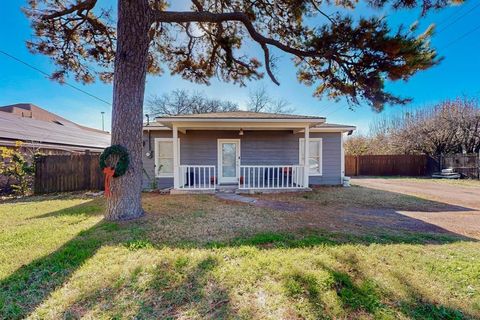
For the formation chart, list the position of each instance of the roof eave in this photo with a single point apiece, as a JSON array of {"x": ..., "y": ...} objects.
[
  {"x": 195, "y": 119},
  {"x": 311, "y": 122},
  {"x": 51, "y": 145},
  {"x": 335, "y": 129}
]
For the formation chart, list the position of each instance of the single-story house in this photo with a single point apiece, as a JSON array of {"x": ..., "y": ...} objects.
[
  {"x": 46, "y": 132},
  {"x": 252, "y": 151}
]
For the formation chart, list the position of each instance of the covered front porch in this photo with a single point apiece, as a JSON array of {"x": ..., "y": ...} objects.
[
  {"x": 242, "y": 152},
  {"x": 256, "y": 178},
  {"x": 249, "y": 157}
]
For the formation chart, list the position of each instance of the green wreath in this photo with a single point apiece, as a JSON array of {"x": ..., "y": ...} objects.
[{"x": 123, "y": 159}]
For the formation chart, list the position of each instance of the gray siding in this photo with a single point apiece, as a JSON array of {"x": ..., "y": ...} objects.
[
  {"x": 149, "y": 163},
  {"x": 200, "y": 147},
  {"x": 332, "y": 159},
  {"x": 256, "y": 148},
  {"x": 269, "y": 147}
]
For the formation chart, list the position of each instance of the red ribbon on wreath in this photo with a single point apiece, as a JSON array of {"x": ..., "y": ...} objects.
[{"x": 108, "y": 172}]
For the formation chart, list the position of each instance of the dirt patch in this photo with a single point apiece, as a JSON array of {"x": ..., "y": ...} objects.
[
  {"x": 356, "y": 210},
  {"x": 461, "y": 213},
  {"x": 466, "y": 197},
  {"x": 388, "y": 205}
]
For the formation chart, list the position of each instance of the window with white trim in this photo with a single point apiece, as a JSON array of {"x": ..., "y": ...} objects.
[
  {"x": 315, "y": 155},
  {"x": 164, "y": 157}
]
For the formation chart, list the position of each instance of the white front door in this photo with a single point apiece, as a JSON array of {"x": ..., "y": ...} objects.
[{"x": 228, "y": 160}]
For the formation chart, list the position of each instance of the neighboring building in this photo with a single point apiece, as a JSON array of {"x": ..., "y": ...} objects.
[
  {"x": 252, "y": 151},
  {"x": 47, "y": 132}
]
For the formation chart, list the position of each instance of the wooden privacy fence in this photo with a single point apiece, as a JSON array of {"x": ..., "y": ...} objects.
[
  {"x": 387, "y": 165},
  {"x": 62, "y": 173}
]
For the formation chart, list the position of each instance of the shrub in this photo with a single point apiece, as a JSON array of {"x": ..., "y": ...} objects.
[{"x": 14, "y": 165}]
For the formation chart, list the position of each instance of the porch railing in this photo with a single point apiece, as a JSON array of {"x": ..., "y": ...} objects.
[
  {"x": 271, "y": 177},
  {"x": 197, "y": 177}
]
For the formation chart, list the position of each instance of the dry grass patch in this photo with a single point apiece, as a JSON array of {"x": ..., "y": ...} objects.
[
  {"x": 357, "y": 197},
  {"x": 204, "y": 218}
]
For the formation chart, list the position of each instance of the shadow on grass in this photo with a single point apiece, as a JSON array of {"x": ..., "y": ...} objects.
[
  {"x": 362, "y": 297},
  {"x": 420, "y": 308},
  {"x": 30, "y": 285},
  {"x": 51, "y": 196},
  {"x": 198, "y": 291},
  {"x": 362, "y": 197},
  {"x": 371, "y": 211},
  {"x": 91, "y": 208},
  {"x": 173, "y": 290},
  {"x": 311, "y": 238}
]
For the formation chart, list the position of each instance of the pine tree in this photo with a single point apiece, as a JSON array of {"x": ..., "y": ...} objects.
[{"x": 341, "y": 56}]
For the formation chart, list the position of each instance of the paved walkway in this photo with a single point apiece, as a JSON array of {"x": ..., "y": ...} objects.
[
  {"x": 276, "y": 205},
  {"x": 236, "y": 197}
]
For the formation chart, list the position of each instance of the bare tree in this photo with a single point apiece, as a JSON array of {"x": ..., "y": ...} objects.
[
  {"x": 357, "y": 145},
  {"x": 469, "y": 125},
  {"x": 447, "y": 127},
  {"x": 340, "y": 56},
  {"x": 184, "y": 102},
  {"x": 451, "y": 126},
  {"x": 260, "y": 101}
]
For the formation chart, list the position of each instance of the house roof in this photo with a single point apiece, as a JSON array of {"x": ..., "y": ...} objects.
[
  {"x": 40, "y": 126},
  {"x": 162, "y": 123},
  {"x": 29, "y": 110},
  {"x": 325, "y": 127},
  {"x": 241, "y": 115}
]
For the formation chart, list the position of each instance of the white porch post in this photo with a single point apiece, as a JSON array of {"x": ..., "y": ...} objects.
[
  {"x": 176, "y": 184},
  {"x": 306, "y": 164},
  {"x": 342, "y": 155}
]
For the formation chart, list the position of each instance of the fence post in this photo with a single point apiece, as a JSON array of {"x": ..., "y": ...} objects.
[
  {"x": 478, "y": 165},
  {"x": 357, "y": 166},
  {"x": 37, "y": 187},
  {"x": 88, "y": 166}
]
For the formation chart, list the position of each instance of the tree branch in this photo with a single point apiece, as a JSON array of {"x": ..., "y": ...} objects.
[
  {"x": 86, "y": 5},
  {"x": 203, "y": 16},
  {"x": 267, "y": 64},
  {"x": 198, "y": 5},
  {"x": 321, "y": 12}
]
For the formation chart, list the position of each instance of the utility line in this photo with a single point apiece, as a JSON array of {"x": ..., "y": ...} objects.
[
  {"x": 459, "y": 10},
  {"x": 459, "y": 18},
  {"x": 466, "y": 34},
  {"x": 48, "y": 76}
]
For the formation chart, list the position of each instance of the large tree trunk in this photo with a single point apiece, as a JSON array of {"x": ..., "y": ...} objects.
[{"x": 127, "y": 113}]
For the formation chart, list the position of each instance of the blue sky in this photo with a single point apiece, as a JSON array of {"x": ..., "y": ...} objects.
[{"x": 458, "y": 74}]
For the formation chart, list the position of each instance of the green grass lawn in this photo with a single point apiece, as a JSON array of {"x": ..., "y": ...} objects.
[{"x": 60, "y": 260}]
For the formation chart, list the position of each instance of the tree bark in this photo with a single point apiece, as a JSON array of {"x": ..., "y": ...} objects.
[{"x": 127, "y": 112}]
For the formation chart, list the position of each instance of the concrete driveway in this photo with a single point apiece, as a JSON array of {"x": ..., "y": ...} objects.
[{"x": 465, "y": 219}]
